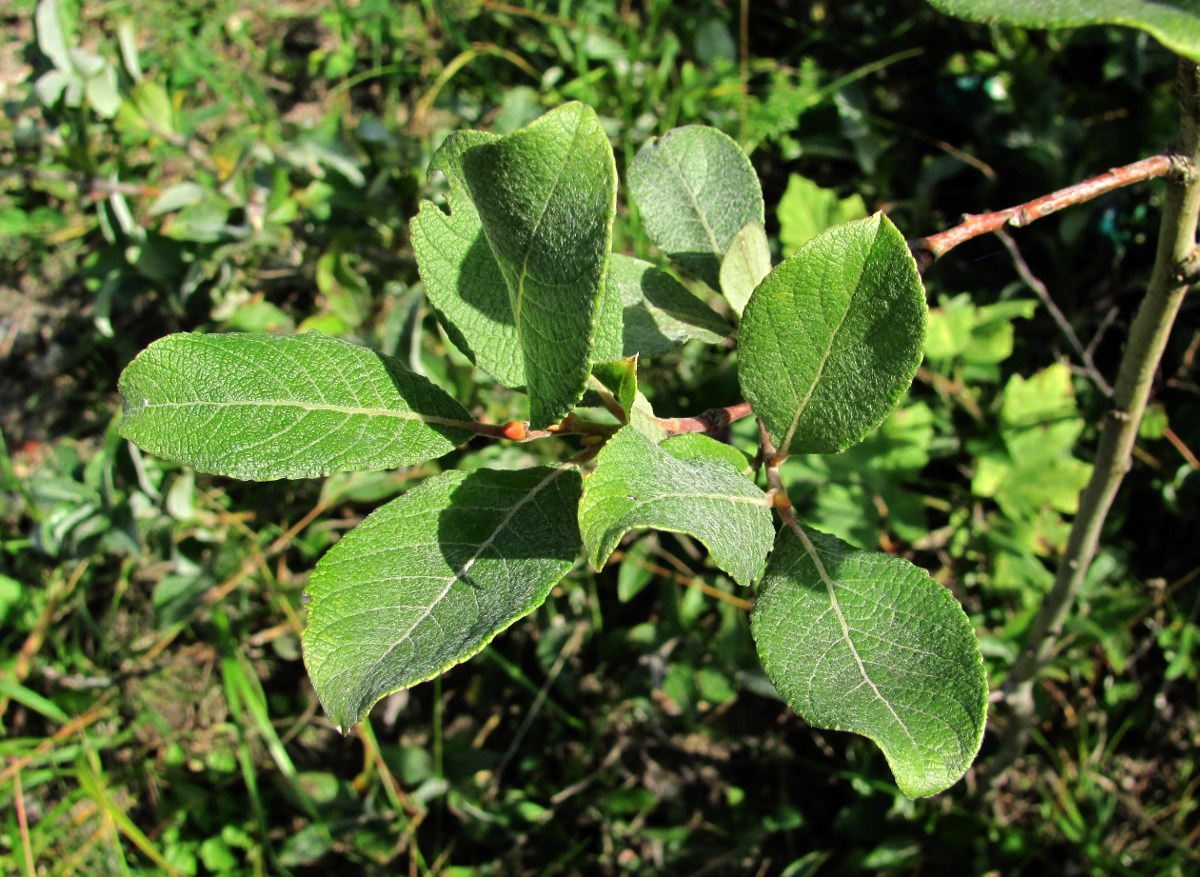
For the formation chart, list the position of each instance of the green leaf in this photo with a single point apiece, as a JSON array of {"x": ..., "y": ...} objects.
[
  {"x": 283, "y": 406},
  {"x": 832, "y": 337},
  {"x": 867, "y": 490},
  {"x": 1040, "y": 425},
  {"x": 647, "y": 312},
  {"x": 864, "y": 642},
  {"x": 696, "y": 190},
  {"x": 979, "y": 335},
  {"x": 806, "y": 210},
  {"x": 1174, "y": 23},
  {"x": 52, "y": 34},
  {"x": 461, "y": 277},
  {"x": 693, "y": 446},
  {"x": 546, "y": 197},
  {"x": 638, "y": 484},
  {"x": 102, "y": 91},
  {"x": 178, "y": 196},
  {"x": 745, "y": 265},
  {"x": 428, "y": 580},
  {"x": 620, "y": 379}
]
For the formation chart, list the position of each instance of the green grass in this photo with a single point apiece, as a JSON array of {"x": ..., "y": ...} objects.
[{"x": 154, "y": 712}]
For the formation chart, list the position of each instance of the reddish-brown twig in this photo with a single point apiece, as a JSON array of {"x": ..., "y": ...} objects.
[
  {"x": 928, "y": 249},
  {"x": 712, "y": 420}
]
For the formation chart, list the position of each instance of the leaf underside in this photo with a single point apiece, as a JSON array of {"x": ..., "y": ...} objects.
[
  {"x": 647, "y": 312},
  {"x": 860, "y": 641},
  {"x": 427, "y": 580}
]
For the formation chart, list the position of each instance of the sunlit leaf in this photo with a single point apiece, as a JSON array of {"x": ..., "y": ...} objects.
[
  {"x": 283, "y": 406},
  {"x": 863, "y": 642}
]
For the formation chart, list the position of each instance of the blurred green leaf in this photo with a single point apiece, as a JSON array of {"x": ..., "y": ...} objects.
[
  {"x": 1039, "y": 425},
  {"x": 806, "y": 210},
  {"x": 52, "y": 33},
  {"x": 1174, "y": 23}
]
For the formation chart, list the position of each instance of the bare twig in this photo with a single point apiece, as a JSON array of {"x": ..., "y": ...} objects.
[
  {"x": 712, "y": 420},
  {"x": 1032, "y": 281},
  {"x": 926, "y": 250}
]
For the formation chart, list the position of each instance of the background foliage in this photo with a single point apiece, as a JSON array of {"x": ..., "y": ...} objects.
[{"x": 254, "y": 166}]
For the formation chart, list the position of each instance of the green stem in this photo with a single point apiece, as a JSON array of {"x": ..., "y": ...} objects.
[{"x": 1147, "y": 340}]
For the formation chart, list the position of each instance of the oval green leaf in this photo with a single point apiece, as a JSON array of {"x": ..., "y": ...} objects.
[
  {"x": 639, "y": 484},
  {"x": 428, "y": 580},
  {"x": 831, "y": 339},
  {"x": 860, "y": 641},
  {"x": 696, "y": 190},
  {"x": 1174, "y": 23},
  {"x": 262, "y": 407}
]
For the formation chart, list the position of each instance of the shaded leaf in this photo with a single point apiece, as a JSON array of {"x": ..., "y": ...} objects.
[
  {"x": 1174, "y": 23},
  {"x": 428, "y": 580},
  {"x": 619, "y": 379},
  {"x": 647, "y": 312},
  {"x": 639, "y": 484},
  {"x": 461, "y": 277}
]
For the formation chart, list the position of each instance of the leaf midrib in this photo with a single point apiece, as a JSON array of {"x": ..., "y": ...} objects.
[
  {"x": 524, "y": 273},
  {"x": 461, "y": 574},
  {"x": 825, "y": 357},
  {"x": 352, "y": 410},
  {"x": 835, "y": 604},
  {"x": 712, "y": 235}
]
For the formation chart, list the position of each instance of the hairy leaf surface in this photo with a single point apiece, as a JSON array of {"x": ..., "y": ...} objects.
[
  {"x": 639, "y": 484},
  {"x": 428, "y": 580},
  {"x": 832, "y": 337},
  {"x": 696, "y": 190},
  {"x": 283, "y": 406},
  {"x": 860, "y": 641},
  {"x": 546, "y": 198},
  {"x": 1174, "y": 23}
]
